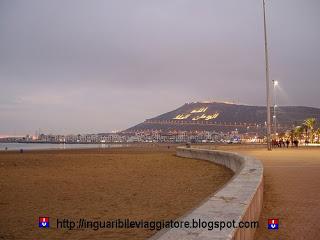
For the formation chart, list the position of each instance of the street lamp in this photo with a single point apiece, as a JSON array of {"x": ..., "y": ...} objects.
[
  {"x": 275, "y": 84},
  {"x": 267, "y": 77}
]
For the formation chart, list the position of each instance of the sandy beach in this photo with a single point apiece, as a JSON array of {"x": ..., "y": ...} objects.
[
  {"x": 148, "y": 183},
  {"x": 137, "y": 183}
]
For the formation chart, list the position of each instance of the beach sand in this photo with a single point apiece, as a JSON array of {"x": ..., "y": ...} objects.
[{"x": 148, "y": 183}]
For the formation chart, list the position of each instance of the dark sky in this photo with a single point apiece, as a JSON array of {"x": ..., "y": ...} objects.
[{"x": 70, "y": 66}]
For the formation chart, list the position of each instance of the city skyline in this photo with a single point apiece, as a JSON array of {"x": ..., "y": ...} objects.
[{"x": 80, "y": 67}]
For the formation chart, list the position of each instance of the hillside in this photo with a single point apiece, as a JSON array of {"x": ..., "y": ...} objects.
[{"x": 221, "y": 116}]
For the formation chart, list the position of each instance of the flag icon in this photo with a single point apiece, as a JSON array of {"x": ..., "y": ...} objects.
[
  {"x": 43, "y": 222},
  {"x": 273, "y": 223}
]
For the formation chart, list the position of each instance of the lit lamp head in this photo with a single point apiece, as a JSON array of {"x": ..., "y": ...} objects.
[{"x": 275, "y": 82}]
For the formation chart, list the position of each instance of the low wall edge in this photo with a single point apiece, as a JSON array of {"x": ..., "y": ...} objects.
[{"x": 240, "y": 199}]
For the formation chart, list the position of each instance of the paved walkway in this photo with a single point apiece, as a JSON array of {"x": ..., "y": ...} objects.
[{"x": 292, "y": 192}]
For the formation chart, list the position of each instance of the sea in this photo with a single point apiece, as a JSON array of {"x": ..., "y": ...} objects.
[{"x": 47, "y": 146}]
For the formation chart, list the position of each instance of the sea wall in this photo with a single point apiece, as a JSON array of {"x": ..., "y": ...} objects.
[{"x": 239, "y": 200}]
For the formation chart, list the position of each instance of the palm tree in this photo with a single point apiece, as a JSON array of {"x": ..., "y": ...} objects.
[
  {"x": 309, "y": 125},
  {"x": 298, "y": 131},
  {"x": 317, "y": 132},
  {"x": 292, "y": 134}
]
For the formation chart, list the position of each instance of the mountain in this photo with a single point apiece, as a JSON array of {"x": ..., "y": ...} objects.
[{"x": 224, "y": 117}]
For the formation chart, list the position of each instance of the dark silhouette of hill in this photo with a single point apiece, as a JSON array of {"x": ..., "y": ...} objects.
[{"x": 222, "y": 116}]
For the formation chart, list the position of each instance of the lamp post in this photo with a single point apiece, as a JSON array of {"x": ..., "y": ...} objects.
[
  {"x": 267, "y": 77},
  {"x": 275, "y": 83}
]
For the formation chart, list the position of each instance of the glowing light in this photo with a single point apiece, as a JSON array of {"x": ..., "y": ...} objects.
[
  {"x": 206, "y": 117},
  {"x": 182, "y": 116},
  {"x": 212, "y": 116},
  {"x": 199, "y": 117},
  {"x": 200, "y": 110}
]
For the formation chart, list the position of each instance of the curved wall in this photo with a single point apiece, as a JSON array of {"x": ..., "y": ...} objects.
[{"x": 240, "y": 199}]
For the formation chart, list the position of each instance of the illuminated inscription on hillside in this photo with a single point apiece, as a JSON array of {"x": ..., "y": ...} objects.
[
  {"x": 200, "y": 110},
  {"x": 196, "y": 117},
  {"x": 206, "y": 117},
  {"x": 182, "y": 116},
  {"x": 212, "y": 116}
]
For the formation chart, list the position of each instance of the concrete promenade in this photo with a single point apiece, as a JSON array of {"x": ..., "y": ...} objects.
[{"x": 291, "y": 191}]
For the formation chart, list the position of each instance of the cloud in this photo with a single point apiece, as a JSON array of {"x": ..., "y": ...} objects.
[{"x": 63, "y": 60}]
